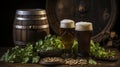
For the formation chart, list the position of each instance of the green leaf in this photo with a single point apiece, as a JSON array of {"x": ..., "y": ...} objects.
[
  {"x": 91, "y": 61},
  {"x": 35, "y": 59},
  {"x": 5, "y": 56},
  {"x": 25, "y": 60}
]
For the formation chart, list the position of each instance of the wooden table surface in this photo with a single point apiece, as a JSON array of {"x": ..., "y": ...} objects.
[
  {"x": 101, "y": 64},
  {"x": 38, "y": 65}
]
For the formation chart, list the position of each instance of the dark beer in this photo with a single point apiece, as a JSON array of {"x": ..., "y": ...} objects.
[
  {"x": 83, "y": 36},
  {"x": 67, "y": 28}
]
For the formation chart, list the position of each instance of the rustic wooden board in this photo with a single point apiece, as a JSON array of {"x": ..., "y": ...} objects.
[{"x": 38, "y": 65}]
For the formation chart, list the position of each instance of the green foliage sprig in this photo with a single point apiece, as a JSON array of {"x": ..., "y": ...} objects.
[{"x": 20, "y": 55}]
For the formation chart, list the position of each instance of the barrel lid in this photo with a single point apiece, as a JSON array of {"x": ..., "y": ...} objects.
[
  {"x": 102, "y": 13},
  {"x": 31, "y": 12}
]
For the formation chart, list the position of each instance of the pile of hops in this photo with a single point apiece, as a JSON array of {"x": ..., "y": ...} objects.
[
  {"x": 68, "y": 61},
  {"x": 71, "y": 61}
]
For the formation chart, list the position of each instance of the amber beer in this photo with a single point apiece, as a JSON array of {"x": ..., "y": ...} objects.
[
  {"x": 67, "y": 27},
  {"x": 83, "y": 36}
]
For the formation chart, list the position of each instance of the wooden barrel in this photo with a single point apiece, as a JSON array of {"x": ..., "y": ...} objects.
[
  {"x": 29, "y": 26},
  {"x": 102, "y": 13}
]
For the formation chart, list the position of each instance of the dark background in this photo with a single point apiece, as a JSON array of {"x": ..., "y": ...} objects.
[{"x": 7, "y": 13}]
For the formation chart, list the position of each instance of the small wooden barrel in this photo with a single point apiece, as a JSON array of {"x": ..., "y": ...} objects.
[{"x": 29, "y": 26}]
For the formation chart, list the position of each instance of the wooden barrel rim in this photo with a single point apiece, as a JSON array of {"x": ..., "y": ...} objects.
[
  {"x": 108, "y": 27},
  {"x": 31, "y": 12}
]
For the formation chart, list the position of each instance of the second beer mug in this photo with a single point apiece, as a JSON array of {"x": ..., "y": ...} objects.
[{"x": 83, "y": 36}]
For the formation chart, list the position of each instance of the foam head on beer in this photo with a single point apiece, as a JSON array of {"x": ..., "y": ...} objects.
[
  {"x": 84, "y": 26},
  {"x": 67, "y": 23}
]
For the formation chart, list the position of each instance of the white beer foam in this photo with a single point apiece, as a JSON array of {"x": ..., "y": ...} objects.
[
  {"x": 67, "y": 23},
  {"x": 84, "y": 26}
]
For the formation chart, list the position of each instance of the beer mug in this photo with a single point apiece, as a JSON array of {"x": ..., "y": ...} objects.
[
  {"x": 67, "y": 28},
  {"x": 83, "y": 35}
]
